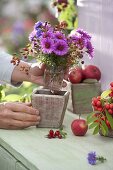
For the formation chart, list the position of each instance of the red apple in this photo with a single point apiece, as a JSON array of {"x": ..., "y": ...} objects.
[
  {"x": 75, "y": 75},
  {"x": 92, "y": 72},
  {"x": 79, "y": 127}
]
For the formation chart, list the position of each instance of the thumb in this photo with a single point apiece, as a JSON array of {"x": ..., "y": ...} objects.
[
  {"x": 37, "y": 69},
  {"x": 37, "y": 80}
]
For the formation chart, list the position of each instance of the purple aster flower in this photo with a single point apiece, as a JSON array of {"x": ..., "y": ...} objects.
[
  {"x": 48, "y": 27},
  {"x": 47, "y": 34},
  {"x": 38, "y": 33},
  {"x": 47, "y": 45},
  {"x": 83, "y": 33},
  {"x": 60, "y": 48},
  {"x": 38, "y": 25},
  {"x": 32, "y": 35},
  {"x": 74, "y": 38},
  {"x": 78, "y": 41},
  {"x": 90, "y": 49},
  {"x": 59, "y": 35},
  {"x": 92, "y": 158}
]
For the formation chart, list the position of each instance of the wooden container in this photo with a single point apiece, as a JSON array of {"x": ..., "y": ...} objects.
[
  {"x": 51, "y": 107},
  {"x": 110, "y": 133},
  {"x": 82, "y": 95}
]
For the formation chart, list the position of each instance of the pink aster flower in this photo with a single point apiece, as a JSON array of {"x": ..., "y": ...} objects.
[
  {"x": 59, "y": 35},
  {"x": 60, "y": 48},
  {"x": 47, "y": 34},
  {"x": 46, "y": 45}
]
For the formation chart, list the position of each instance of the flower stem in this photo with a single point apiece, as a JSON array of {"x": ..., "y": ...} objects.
[{"x": 101, "y": 159}]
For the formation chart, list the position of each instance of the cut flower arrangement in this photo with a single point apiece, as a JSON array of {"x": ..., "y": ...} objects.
[
  {"x": 57, "y": 49},
  {"x": 101, "y": 119},
  {"x": 54, "y": 47}
]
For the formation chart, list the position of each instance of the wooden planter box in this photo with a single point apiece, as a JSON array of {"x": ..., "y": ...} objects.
[
  {"x": 82, "y": 95},
  {"x": 110, "y": 133},
  {"x": 51, "y": 107}
]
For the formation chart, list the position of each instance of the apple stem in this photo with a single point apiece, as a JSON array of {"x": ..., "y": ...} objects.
[{"x": 79, "y": 116}]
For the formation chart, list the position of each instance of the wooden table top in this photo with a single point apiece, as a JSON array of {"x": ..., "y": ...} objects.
[{"x": 35, "y": 151}]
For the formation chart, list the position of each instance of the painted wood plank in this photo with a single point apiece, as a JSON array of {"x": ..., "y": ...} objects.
[
  {"x": 19, "y": 166},
  {"x": 36, "y": 152},
  {"x": 7, "y": 161}
]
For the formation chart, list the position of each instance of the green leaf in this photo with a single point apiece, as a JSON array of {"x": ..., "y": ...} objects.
[
  {"x": 69, "y": 14},
  {"x": 103, "y": 125},
  {"x": 1, "y": 87},
  {"x": 105, "y": 94},
  {"x": 102, "y": 102},
  {"x": 96, "y": 130},
  {"x": 103, "y": 130},
  {"x": 90, "y": 115},
  {"x": 91, "y": 119},
  {"x": 30, "y": 58},
  {"x": 93, "y": 125},
  {"x": 110, "y": 118},
  {"x": 12, "y": 97}
]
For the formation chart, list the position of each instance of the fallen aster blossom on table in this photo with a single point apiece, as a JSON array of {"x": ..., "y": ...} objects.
[{"x": 93, "y": 158}]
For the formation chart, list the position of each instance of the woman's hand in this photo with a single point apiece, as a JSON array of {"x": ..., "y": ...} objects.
[
  {"x": 35, "y": 74},
  {"x": 18, "y": 116}
]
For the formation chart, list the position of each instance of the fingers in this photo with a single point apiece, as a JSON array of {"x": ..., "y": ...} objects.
[
  {"x": 21, "y": 116},
  {"x": 18, "y": 116},
  {"x": 37, "y": 80},
  {"x": 36, "y": 74},
  {"x": 20, "y": 107},
  {"x": 16, "y": 124},
  {"x": 27, "y": 104}
]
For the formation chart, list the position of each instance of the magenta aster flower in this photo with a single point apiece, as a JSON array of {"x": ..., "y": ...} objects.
[
  {"x": 82, "y": 41},
  {"x": 59, "y": 35},
  {"x": 47, "y": 45},
  {"x": 47, "y": 34},
  {"x": 83, "y": 33},
  {"x": 74, "y": 39},
  {"x": 48, "y": 27},
  {"x": 60, "y": 48},
  {"x": 90, "y": 49}
]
